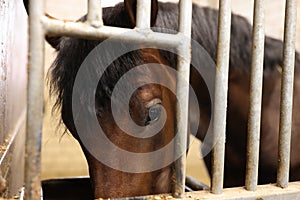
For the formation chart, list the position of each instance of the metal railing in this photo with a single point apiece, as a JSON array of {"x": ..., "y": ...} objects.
[
  {"x": 255, "y": 96},
  {"x": 220, "y": 103},
  {"x": 287, "y": 84},
  {"x": 40, "y": 25}
]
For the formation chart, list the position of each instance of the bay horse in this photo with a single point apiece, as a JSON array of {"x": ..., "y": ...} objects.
[{"x": 145, "y": 103}]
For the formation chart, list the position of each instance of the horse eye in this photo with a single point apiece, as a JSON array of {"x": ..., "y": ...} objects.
[{"x": 154, "y": 113}]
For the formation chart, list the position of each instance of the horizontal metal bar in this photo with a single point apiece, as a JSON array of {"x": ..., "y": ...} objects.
[
  {"x": 256, "y": 82},
  {"x": 266, "y": 192},
  {"x": 143, "y": 14},
  {"x": 84, "y": 30},
  {"x": 287, "y": 84},
  {"x": 220, "y": 104},
  {"x": 182, "y": 94}
]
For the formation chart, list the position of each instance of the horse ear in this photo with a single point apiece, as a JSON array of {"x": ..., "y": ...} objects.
[
  {"x": 130, "y": 6},
  {"x": 54, "y": 42},
  {"x": 26, "y": 2}
]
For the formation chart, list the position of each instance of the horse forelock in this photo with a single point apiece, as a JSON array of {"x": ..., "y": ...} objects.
[{"x": 73, "y": 53}]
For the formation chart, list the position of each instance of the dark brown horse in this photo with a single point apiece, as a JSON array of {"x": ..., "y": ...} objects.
[{"x": 145, "y": 103}]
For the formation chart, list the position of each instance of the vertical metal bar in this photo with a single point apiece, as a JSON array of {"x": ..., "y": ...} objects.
[
  {"x": 94, "y": 15},
  {"x": 221, "y": 87},
  {"x": 287, "y": 83},
  {"x": 182, "y": 92},
  {"x": 143, "y": 14},
  {"x": 256, "y": 82},
  {"x": 35, "y": 98}
]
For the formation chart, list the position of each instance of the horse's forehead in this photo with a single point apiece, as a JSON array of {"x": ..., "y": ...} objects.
[{"x": 155, "y": 74}]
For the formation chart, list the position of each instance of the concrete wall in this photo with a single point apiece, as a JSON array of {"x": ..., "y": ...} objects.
[{"x": 13, "y": 78}]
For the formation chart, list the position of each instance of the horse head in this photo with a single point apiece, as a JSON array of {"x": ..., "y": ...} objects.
[{"x": 132, "y": 169}]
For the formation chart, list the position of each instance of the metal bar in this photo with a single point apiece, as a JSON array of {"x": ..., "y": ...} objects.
[
  {"x": 83, "y": 30},
  {"x": 221, "y": 87},
  {"x": 182, "y": 93},
  {"x": 35, "y": 97},
  {"x": 286, "y": 104},
  {"x": 94, "y": 15},
  {"x": 256, "y": 82},
  {"x": 185, "y": 19},
  {"x": 265, "y": 192},
  {"x": 143, "y": 14}
]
